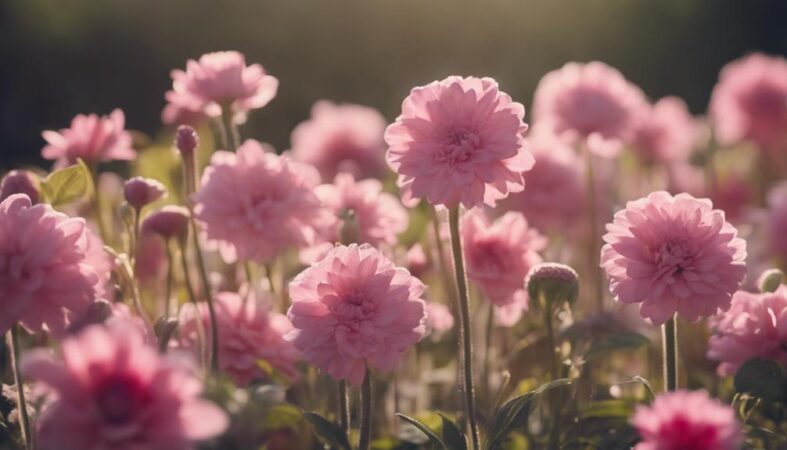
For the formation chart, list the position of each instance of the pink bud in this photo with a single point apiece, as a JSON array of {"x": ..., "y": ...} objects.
[
  {"x": 19, "y": 182},
  {"x": 168, "y": 222},
  {"x": 186, "y": 140},
  {"x": 140, "y": 191}
]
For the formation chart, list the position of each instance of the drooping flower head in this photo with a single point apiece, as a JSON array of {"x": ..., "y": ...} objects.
[
  {"x": 257, "y": 204},
  {"x": 45, "y": 272},
  {"x": 687, "y": 420},
  {"x": 355, "y": 308},
  {"x": 219, "y": 79},
  {"x": 459, "y": 140},
  {"x": 112, "y": 390},
  {"x": 754, "y": 327},
  {"x": 673, "y": 254},
  {"x": 750, "y": 101},
  {"x": 168, "y": 222},
  {"x": 248, "y": 334},
  {"x": 139, "y": 191},
  {"x": 666, "y": 132},
  {"x": 776, "y": 222},
  {"x": 341, "y": 138},
  {"x": 590, "y": 103},
  {"x": 91, "y": 138},
  {"x": 19, "y": 182}
]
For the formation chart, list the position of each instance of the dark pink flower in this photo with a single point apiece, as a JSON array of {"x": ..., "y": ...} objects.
[
  {"x": 673, "y": 254},
  {"x": 666, "y": 132},
  {"x": 91, "y": 138},
  {"x": 459, "y": 140},
  {"x": 19, "y": 182}
]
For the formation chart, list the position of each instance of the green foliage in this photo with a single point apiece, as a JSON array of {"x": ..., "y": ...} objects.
[
  {"x": 67, "y": 184},
  {"x": 436, "y": 441},
  {"x": 763, "y": 378},
  {"x": 328, "y": 431}
]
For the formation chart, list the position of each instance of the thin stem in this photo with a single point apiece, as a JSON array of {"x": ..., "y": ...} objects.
[
  {"x": 203, "y": 273},
  {"x": 669, "y": 339},
  {"x": 269, "y": 275},
  {"x": 465, "y": 337},
  {"x": 193, "y": 299},
  {"x": 490, "y": 322},
  {"x": 12, "y": 337},
  {"x": 344, "y": 407},
  {"x": 229, "y": 132},
  {"x": 98, "y": 213},
  {"x": 170, "y": 279},
  {"x": 554, "y": 370},
  {"x": 366, "y": 412},
  {"x": 445, "y": 272},
  {"x": 593, "y": 261},
  {"x": 132, "y": 252}
]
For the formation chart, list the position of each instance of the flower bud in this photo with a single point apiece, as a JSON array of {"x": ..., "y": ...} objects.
[
  {"x": 186, "y": 140},
  {"x": 168, "y": 222},
  {"x": 770, "y": 280},
  {"x": 553, "y": 283},
  {"x": 19, "y": 182},
  {"x": 139, "y": 191}
]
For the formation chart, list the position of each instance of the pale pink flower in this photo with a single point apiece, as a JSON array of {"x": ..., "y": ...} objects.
[
  {"x": 139, "y": 191},
  {"x": 112, "y": 390},
  {"x": 733, "y": 194},
  {"x": 19, "y": 182},
  {"x": 776, "y": 220},
  {"x": 590, "y": 104},
  {"x": 499, "y": 255},
  {"x": 45, "y": 272},
  {"x": 100, "y": 261},
  {"x": 256, "y": 204},
  {"x": 673, "y": 254},
  {"x": 438, "y": 317},
  {"x": 91, "y": 138},
  {"x": 687, "y": 420},
  {"x": 666, "y": 132},
  {"x": 459, "y": 140},
  {"x": 750, "y": 101},
  {"x": 177, "y": 114},
  {"x": 217, "y": 80},
  {"x": 754, "y": 327},
  {"x": 355, "y": 308},
  {"x": 341, "y": 138}
]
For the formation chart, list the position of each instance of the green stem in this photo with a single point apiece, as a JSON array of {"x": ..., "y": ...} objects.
[
  {"x": 98, "y": 212},
  {"x": 465, "y": 337},
  {"x": 344, "y": 408},
  {"x": 593, "y": 262},
  {"x": 554, "y": 370},
  {"x": 203, "y": 274},
  {"x": 445, "y": 272},
  {"x": 669, "y": 339},
  {"x": 170, "y": 279},
  {"x": 193, "y": 299},
  {"x": 490, "y": 322},
  {"x": 229, "y": 132},
  {"x": 12, "y": 337},
  {"x": 366, "y": 412}
]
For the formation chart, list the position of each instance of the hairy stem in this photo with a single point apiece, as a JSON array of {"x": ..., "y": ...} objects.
[
  {"x": 203, "y": 274},
  {"x": 669, "y": 339},
  {"x": 554, "y": 371},
  {"x": 193, "y": 299},
  {"x": 366, "y": 412},
  {"x": 12, "y": 336},
  {"x": 595, "y": 248},
  {"x": 344, "y": 407},
  {"x": 229, "y": 131}
]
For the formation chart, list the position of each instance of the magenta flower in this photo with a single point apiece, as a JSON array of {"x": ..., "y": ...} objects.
[
  {"x": 19, "y": 182},
  {"x": 438, "y": 318},
  {"x": 459, "y": 140},
  {"x": 217, "y": 80},
  {"x": 112, "y": 390},
  {"x": 589, "y": 103},
  {"x": 673, "y": 254},
  {"x": 139, "y": 191},
  {"x": 46, "y": 274},
  {"x": 355, "y": 308},
  {"x": 754, "y": 327},
  {"x": 776, "y": 220},
  {"x": 91, "y": 138},
  {"x": 341, "y": 138},
  {"x": 750, "y": 101},
  {"x": 687, "y": 420},
  {"x": 256, "y": 204},
  {"x": 666, "y": 133},
  {"x": 248, "y": 333}
]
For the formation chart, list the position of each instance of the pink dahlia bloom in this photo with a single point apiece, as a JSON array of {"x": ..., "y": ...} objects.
[
  {"x": 776, "y": 224},
  {"x": 754, "y": 327},
  {"x": 666, "y": 132},
  {"x": 673, "y": 254},
  {"x": 19, "y": 182},
  {"x": 248, "y": 333},
  {"x": 355, "y": 308},
  {"x": 750, "y": 101},
  {"x": 219, "y": 79},
  {"x": 438, "y": 317},
  {"x": 91, "y": 138},
  {"x": 46, "y": 274},
  {"x": 499, "y": 255},
  {"x": 687, "y": 420},
  {"x": 112, "y": 390},
  {"x": 257, "y": 204},
  {"x": 341, "y": 138},
  {"x": 590, "y": 103},
  {"x": 459, "y": 140}
]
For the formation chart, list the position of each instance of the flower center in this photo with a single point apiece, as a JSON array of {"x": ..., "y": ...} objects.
[
  {"x": 354, "y": 309},
  {"x": 457, "y": 145},
  {"x": 118, "y": 398},
  {"x": 672, "y": 254}
]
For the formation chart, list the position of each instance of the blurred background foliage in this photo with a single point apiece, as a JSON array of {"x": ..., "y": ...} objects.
[{"x": 63, "y": 57}]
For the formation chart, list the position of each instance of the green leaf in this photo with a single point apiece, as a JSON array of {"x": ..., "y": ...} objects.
[
  {"x": 762, "y": 378},
  {"x": 67, "y": 184},
  {"x": 452, "y": 437},
  {"x": 327, "y": 431},
  {"x": 283, "y": 415},
  {"x": 615, "y": 342},
  {"x": 433, "y": 438}
]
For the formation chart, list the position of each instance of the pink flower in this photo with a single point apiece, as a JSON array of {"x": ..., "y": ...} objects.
[
  {"x": 341, "y": 138},
  {"x": 438, "y": 317},
  {"x": 776, "y": 224},
  {"x": 733, "y": 194},
  {"x": 168, "y": 222},
  {"x": 46, "y": 274},
  {"x": 100, "y": 261},
  {"x": 590, "y": 103},
  {"x": 19, "y": 182},
  {"x": 459, "y": 140},
  {"x": 218, "y": 79},
  {"x": 754, "y": 327},
  {"x": 750, "y": 101},
  {"x": 499, "y": 255},
  {"x": 555, "y": 195},
  {"x": 256, "y": 204},
  {"x": 139, "y": 191},
  {"x": 248, "y": 334},
  {"x": 687, "y": 420},
  {"x": 91, "y": 138},
  {"x": 176, "y": 114},
  {"x": 673, "y": 254},
  {"x": 111, "y": 390},
  {"x": 666, "y": 132},
  {"x": 355, "y": 308}
]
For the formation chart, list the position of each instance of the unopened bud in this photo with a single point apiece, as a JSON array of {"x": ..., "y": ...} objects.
[
  {"x": 168, "y": 222},
  {"x": 553, "y": 283},
  {"x": 140, "y": 191},
  {"x": 19, "y": 182},
  {"x": 770, "y": 280},
  {"x": 186, "y": 140}
]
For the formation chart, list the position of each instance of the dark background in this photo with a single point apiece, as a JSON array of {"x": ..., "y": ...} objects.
[{"x": 63, "y": 57}]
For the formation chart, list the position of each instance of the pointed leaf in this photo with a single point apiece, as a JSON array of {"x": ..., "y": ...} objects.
[
  {"x": 327, "y": 431},
  {"x": 452, "y": 437},
  {"x": 67, "y": 184},
  {"x": 433, "y": 438}
]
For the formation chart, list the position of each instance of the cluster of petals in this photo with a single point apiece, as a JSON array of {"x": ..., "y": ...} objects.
[
  {"x": 248, "y": 334},
  {"x": 590, "y": 104},
  {"x": 256, "y": 204},
  {"x": 459, "y": 140},
  {"x": 46, "y": 274},
  {"x": 113, "y": 390},
  {"x": 673, "y": 255},
  {"x": 666, "y": 132},
  {"x": 19, "y": 182},
  {"x": 215, "y": 81},
  {"x": 341, "y": 138},
  {"x": 776, "y": 223},
  {"x": 90, "y": 138},
  {"x": 754, "y": 327},
  {"x": 687, "y": 420},
  {"x": 355, "y": 309}
]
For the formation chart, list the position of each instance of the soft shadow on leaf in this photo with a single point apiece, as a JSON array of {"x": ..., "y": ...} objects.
[
  {"x": 433, "y": 438},
  {"x": 67, "y": 184},
  {"x": 327, "y": 431},
  {"x": 453, "y": 438}
]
